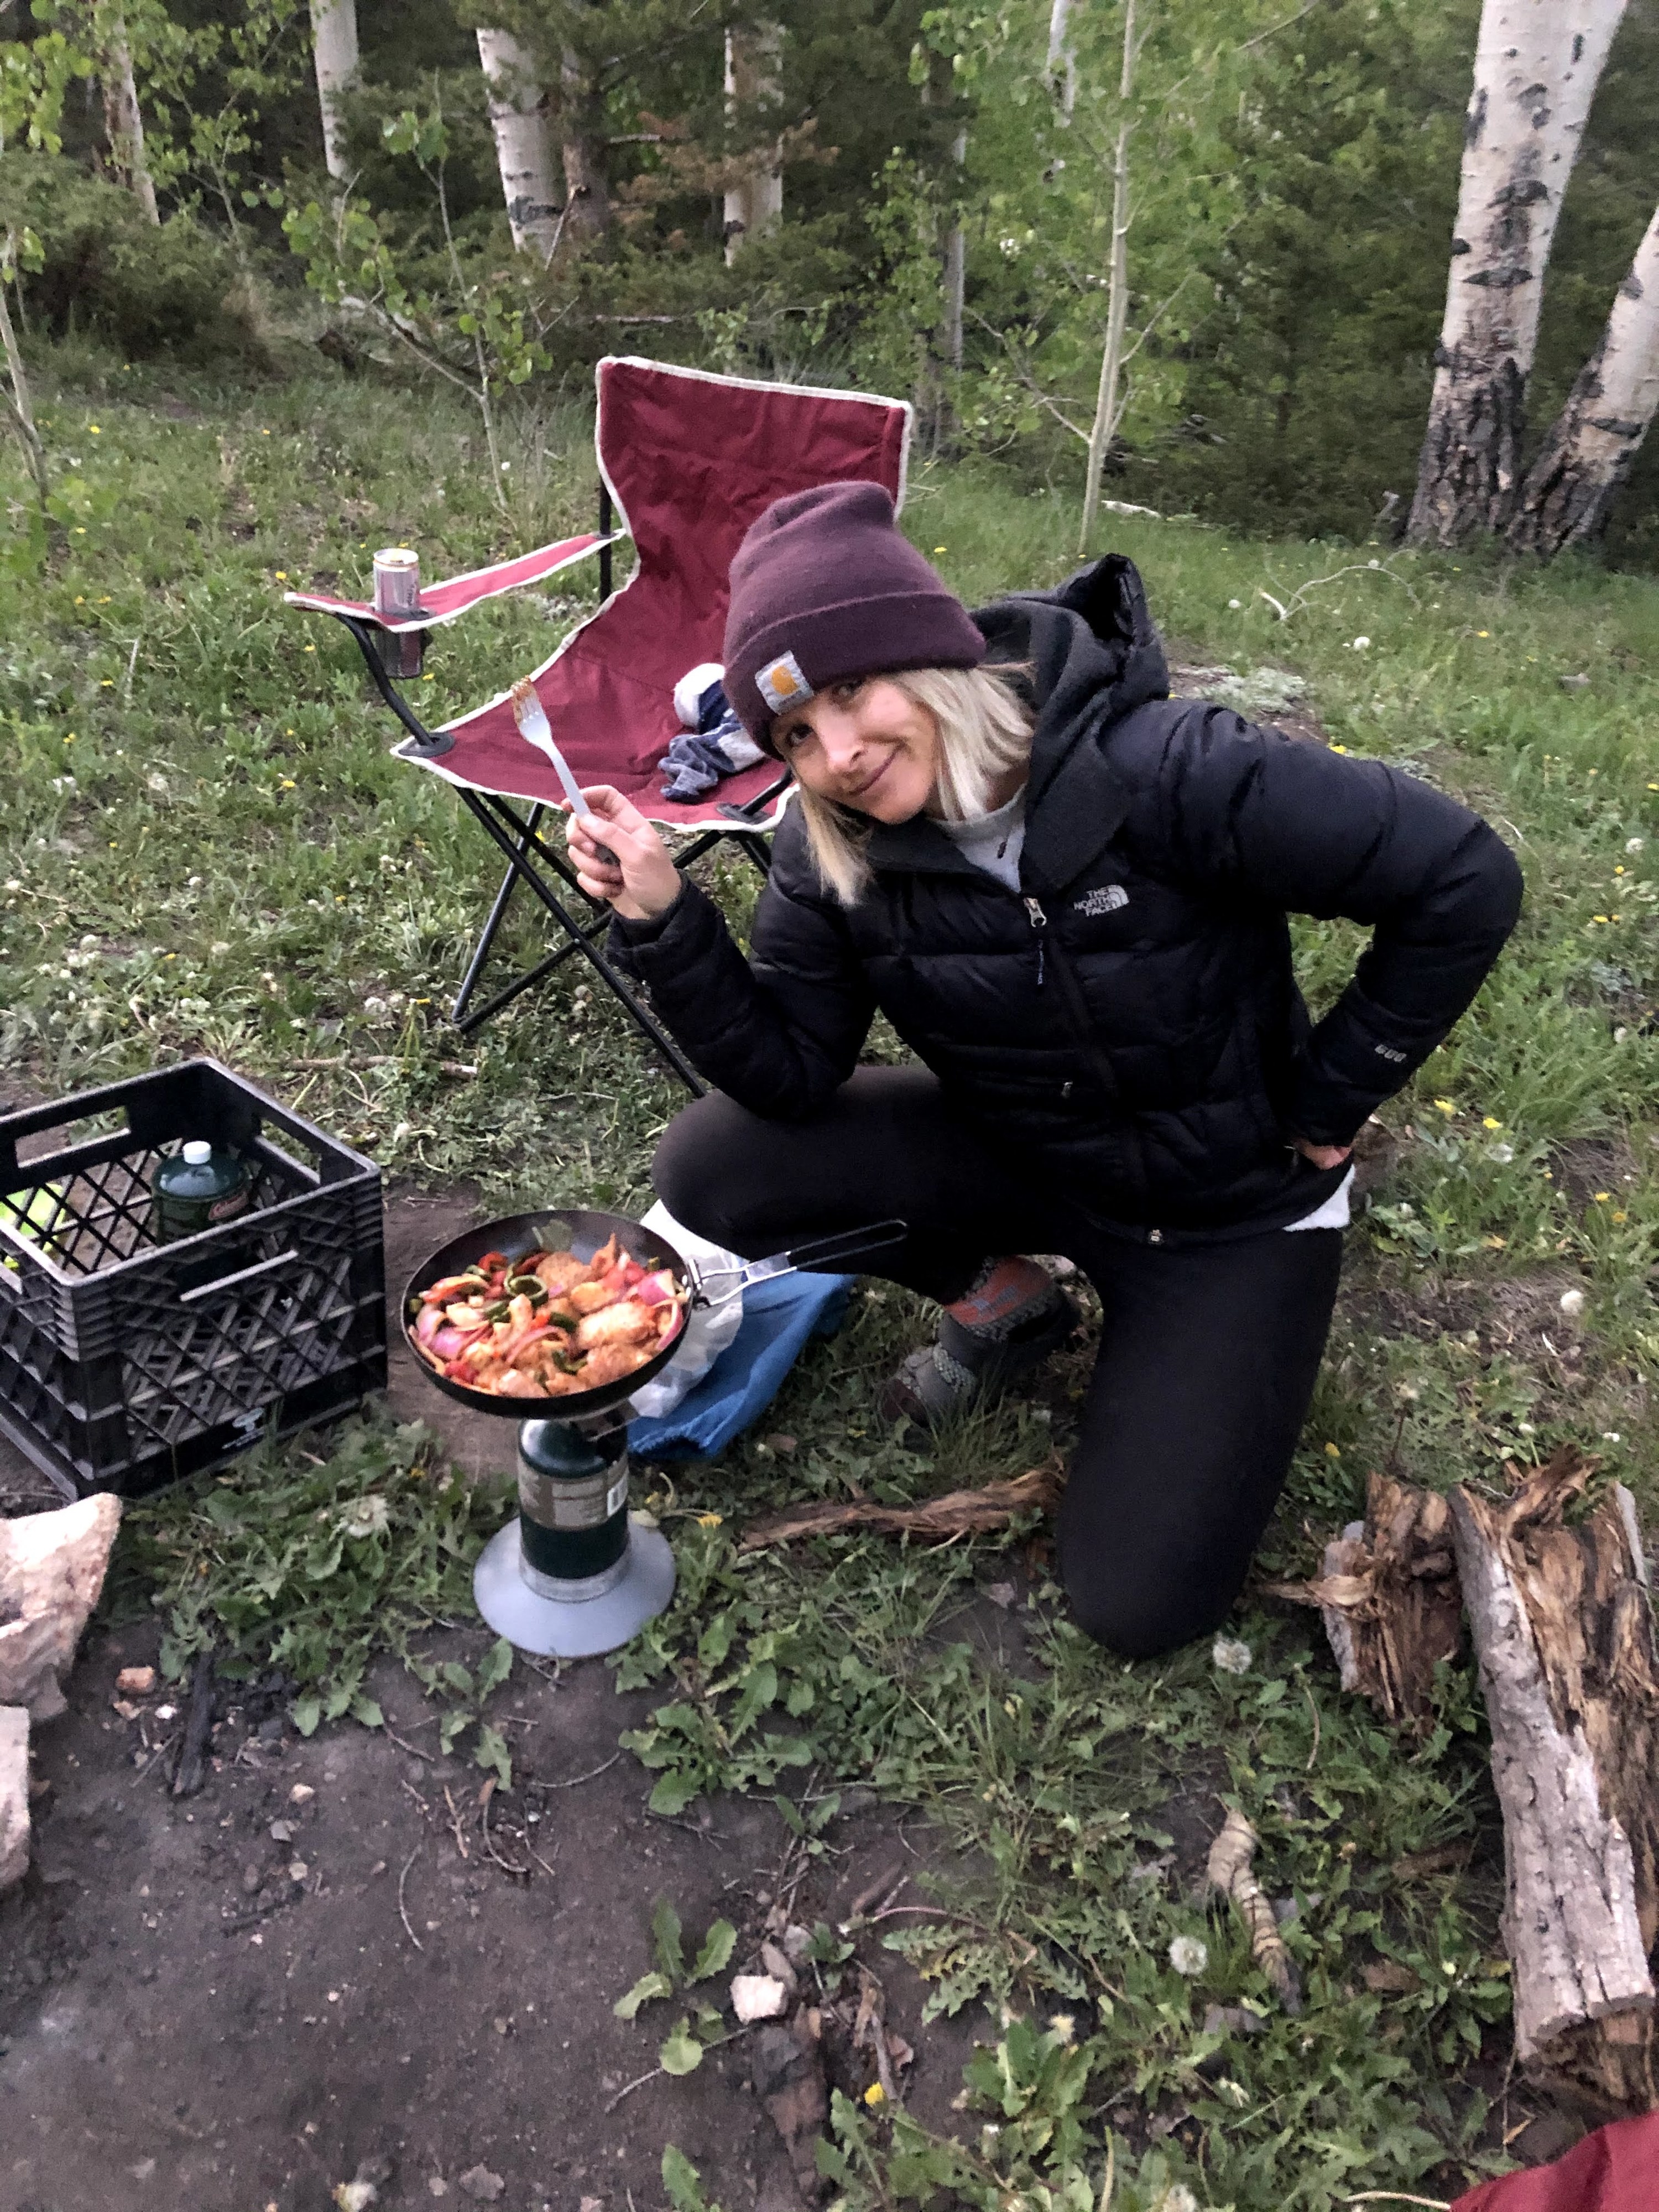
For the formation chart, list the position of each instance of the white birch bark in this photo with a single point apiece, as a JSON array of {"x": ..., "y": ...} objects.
[
  {"x": 581, "y": 149},
  {"x": 753, "y": 77},
  {"x": 1536, "y": 65},
  {"x": 334, "y": 50},
  {"x": 1109, "y": 397},
  {"x": 1062, "y": 59},
  {"x": 1571, "y": 487},
  {"x": 123, "y": 121},
  {"x": 523, "y": 144},
  {"x": 955, "y": 268}
]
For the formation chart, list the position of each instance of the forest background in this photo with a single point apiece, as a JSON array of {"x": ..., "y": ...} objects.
[{"x": 946, "y": 224}]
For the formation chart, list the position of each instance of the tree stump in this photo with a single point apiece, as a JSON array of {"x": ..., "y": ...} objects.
[{"x": 1564, "y": 1633}]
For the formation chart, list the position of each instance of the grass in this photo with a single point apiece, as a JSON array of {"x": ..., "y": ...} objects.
[{"x": 207, "y": 847}]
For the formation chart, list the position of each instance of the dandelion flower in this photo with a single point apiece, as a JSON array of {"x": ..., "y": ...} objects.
[
  {"x": 1572, "y": 1303},
  {"x": 1230, "y": 1655},
  {"x": 1179, "y": 2198},
  {"x": 710, "y": 1520},
  {"x": 1445, "y": 1106},
  {"x": 1489, "y": 1122},
  {"x": 874, "y": 2095},
  {"x": 1063, "y": 2027},
  {"x": 1188, "y": 1956}
]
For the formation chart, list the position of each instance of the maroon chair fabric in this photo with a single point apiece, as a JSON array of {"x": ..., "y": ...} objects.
[
  {"x": 1615, "y": 2170},
  {"x": 691, "y": 459}
]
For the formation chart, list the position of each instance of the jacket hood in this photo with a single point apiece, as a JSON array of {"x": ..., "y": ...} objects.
[
  {"x": 1094, "y": 650},
  {"x": 1094, "y": 655}
]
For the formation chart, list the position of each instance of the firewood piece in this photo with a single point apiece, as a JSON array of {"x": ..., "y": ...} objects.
[
  {"x": 1229, "y": 1869},
  {"x": 191, "y": 1769},
  {"x": 1564, "y": 1636},
  {"x": 962, "y": 1512},
  {"x": 1389, "y": 1597}
]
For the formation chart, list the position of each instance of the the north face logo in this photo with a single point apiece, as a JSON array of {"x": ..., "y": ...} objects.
[{"x": 1104, "y": 900}]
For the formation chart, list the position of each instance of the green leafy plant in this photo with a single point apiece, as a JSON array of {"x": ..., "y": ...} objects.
[
  {"x": 691, "y": 2034},
  {"x": 313, "y": 1567}
]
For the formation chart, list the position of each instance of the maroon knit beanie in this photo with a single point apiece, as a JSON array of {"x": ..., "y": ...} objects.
[{"x": 825, "y": 589}]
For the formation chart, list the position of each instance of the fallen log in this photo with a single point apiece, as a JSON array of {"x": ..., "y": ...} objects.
[
  {"x": 961, "y": 1512},
  {"x": 1389, "y": 1598},
  {"x": 1564, "y": 1633}
]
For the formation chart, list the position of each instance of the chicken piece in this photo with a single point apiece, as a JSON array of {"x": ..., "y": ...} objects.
[
  {"x": 514, "y": 1383},
  {"x": 611, "y": 1363},
  {"x": 628, "y": 1322},
  {"x": 591, "y": 1297},
  {"x": 560, "y": 1270}
]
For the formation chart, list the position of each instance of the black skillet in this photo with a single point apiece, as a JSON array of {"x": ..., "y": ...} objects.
[{"x": 583, "y": 1230}]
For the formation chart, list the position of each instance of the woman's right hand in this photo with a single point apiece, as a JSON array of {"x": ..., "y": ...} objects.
[{"x": 635, "y": 876}]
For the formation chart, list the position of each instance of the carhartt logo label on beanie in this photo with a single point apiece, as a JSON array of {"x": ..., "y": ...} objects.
[
  {"x": 782, "y": 684},
  {"x": 825, "y": 589}
]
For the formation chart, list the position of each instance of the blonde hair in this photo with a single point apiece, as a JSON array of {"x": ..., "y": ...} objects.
[{"x": 984, "y": 730}]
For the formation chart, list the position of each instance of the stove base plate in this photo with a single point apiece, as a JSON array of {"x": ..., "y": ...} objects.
[{"x": 572, "y": 1628}]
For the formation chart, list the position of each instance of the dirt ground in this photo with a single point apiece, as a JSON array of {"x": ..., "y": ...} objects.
[{"x": 319, "y": 1971}]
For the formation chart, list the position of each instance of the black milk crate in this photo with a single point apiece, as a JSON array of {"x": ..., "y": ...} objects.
[{"x": 125, "y": 1362}]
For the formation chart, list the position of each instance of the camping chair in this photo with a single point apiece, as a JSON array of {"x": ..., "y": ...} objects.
[{"x": 687, "y": 461}]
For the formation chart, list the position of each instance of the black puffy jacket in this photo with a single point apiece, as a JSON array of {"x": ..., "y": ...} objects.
[{"x": 1130, "y": 1022}]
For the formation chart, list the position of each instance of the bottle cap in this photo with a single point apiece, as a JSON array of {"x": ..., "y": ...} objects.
[{"x": 197, "y": 1153}]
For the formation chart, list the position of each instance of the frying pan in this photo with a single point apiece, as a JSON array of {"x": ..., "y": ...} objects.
[{"x": 582, "y": 1229}]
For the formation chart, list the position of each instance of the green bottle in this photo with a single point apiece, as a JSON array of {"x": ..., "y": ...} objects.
[{"x": 197, "y": 1188}]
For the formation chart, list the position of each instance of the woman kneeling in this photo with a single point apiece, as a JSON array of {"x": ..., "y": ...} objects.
[{"x": 1068, "y": 893}]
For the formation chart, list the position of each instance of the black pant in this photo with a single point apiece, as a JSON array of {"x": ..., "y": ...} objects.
[{"x": 1208, "y": 1353}]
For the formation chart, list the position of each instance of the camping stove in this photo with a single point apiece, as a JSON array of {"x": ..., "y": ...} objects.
[{"x": 572, "y": 1577}]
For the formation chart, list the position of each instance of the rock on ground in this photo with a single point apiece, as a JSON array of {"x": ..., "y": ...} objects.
[
  {"x": 14, "y": 1794},
  {"x": 52, "y": 1575}
]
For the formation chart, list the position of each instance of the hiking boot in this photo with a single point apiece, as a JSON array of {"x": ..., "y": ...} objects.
[{"x": 1007, "y": 1324}]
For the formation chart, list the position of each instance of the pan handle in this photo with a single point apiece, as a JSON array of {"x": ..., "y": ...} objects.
[{"x": 821, "y": 1254}]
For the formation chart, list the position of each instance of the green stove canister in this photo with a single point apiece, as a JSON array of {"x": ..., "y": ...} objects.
[{"x": 196, "y": 1188}]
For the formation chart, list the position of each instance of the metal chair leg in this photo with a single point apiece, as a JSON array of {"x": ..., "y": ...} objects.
[
  {"x": 497, "y": 915},
  {"x": 640, "y": 1016}
]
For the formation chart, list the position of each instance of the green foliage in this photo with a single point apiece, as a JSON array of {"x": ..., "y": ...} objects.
[
  {"x": 684, "y": 2183},
  {"x": 682, "y": 2048},
  {"x": 104, "y": 269},
  {"x": 314, "y": 1567}
]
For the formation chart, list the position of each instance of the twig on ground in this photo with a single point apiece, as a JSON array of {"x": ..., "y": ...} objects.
[
  {"x": 403, "y": 1909},
  {"x": 521, "y": 1873},
  {"x": 413, "y": 1749},
  {"x": 455, "y": 1825},
  {"x": 1395, "y": 2197},
  {"x": 1229, "y": 1871},
  {"x": 592, "y": 1775},
  {"x": 423, "y": 1802},
  {"x": 631, "y": 2088},
  {"x": 962, "y": 1512},
  {"x": 1314, "y": 1708}
]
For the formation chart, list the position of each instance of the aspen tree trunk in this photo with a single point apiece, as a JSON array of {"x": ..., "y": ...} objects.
[
  {"x": 1109, "y": 400},
  {"x": 124, "y": 121},
  {"x": 1062, "y": 61},
  {"x": 524, "y": 145},
  {"x": 334, "y": 49},
  {"x": 956, "y": 269},
  {"x": 1571, "y": 487},
  {"x": 754, "y": 61},
  {"x": 581, "y": 127},
  {"x": 1536, "y": 65}
]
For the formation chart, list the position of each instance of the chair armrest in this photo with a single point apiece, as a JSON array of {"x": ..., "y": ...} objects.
[{"x": 448, "y": 602}]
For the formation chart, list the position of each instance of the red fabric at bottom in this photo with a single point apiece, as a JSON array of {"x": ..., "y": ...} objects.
[{"x": 1615, "y": 2170}]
